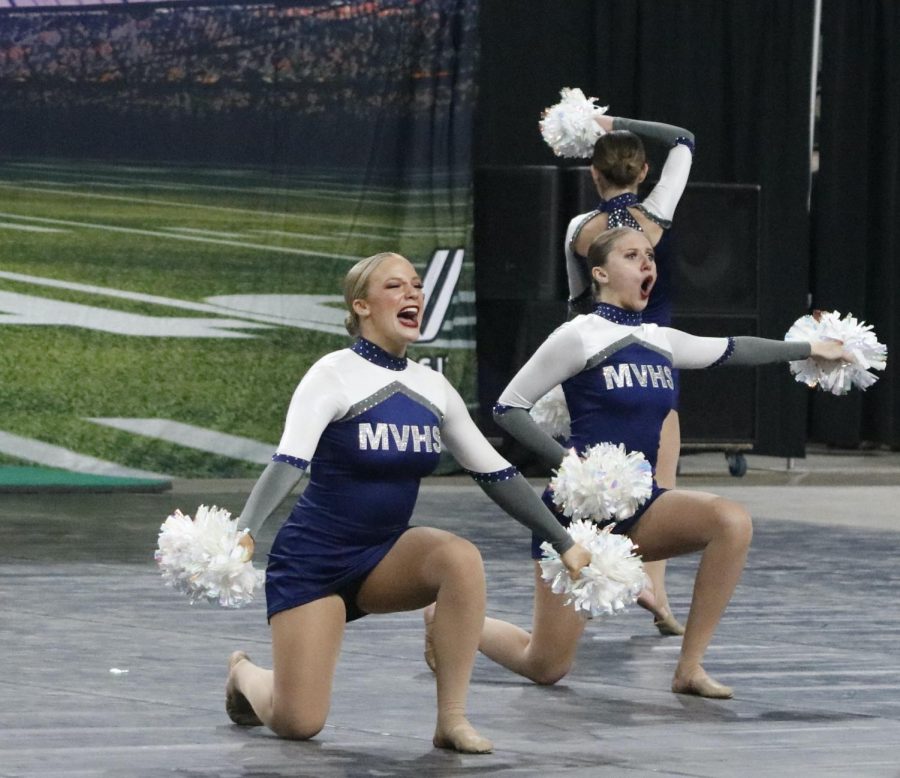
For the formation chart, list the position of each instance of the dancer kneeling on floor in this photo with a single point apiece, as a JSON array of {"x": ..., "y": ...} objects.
[
  {"x": 618, "y": 167},
  {"x": 616, "y": 375},
  {"x": 368, "y": 424}
]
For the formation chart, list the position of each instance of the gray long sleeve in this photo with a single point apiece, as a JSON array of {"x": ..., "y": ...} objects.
[
  {"x": 274, "y": 484},
  {"x": 666, "y": 134},
  {"x": 519, "y": 500},
  {"x": 519, "y": 423},
  {"x": 749, "y": 351}
]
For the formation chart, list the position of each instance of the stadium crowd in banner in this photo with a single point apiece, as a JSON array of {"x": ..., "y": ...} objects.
[{"x": 234, "y": 58}]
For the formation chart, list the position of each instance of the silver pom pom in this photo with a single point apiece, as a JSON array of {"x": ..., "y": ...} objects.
[
  {"x": 858, "y": 339},
  {"x": 568, "y": 127},
  {"x": 607, "y": 483},
  {"x": 613, "y": 580},
  {"x": 202, "y": 558},
  {"x": 551, "y": 414}
]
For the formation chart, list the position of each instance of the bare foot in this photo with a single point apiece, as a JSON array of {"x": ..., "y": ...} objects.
[
  {"x": 237, "y": 706},
  {"x": 663, "y": 619},
  {"x": 700, "y": 684},
  {"x": 428, "y": 616},
  {"x": 462, "y": 737},
  {"x": 668, "y": 624}
]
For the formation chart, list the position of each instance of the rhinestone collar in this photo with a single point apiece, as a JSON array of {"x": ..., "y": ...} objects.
[
  {"x": 377, "y": 355},
  {"x": 618, "y": 315},
  {"x": 623, "y": 200}
]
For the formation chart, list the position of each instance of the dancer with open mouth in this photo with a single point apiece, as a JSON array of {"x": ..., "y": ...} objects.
[
  {"x": 369, "y": 424},
  {"x": 618, "y": 168},
  {"x": 616, "y": 373}
]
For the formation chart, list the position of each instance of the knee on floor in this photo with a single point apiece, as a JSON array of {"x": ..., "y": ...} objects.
[
  {"x": 297, "y": 726},
  {"x": 549, "y": 673}
]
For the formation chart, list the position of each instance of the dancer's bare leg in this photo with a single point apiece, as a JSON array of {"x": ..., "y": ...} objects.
[
  {"x": 680, "y": 522},
  {"x": 293, "y": 699},
  {"x": 429, "y": 565},
  {"x": 655, "y": 598},
  {"x": 669, "y": 451},
  {"x": 547, "y": 653}
]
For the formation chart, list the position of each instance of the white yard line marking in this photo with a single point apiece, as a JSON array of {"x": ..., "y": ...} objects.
[
  {"x": 65, "y": 459},
  {"x": 28, "y": 227},
  {"x": 321, "y": 194},
  {"x": 176, "y": 236},
  {"x": 199, "y": 438},
  {"x": 322, "y": 313},
  {"x": 153, "y": 299},
  {"x": 300, "y": 235},
  {"x": 290, "y": 186},
  {"x": 25, "y": 310},
  {"x": 349, "y": 222},
  {"x": 196, "y": 231}
]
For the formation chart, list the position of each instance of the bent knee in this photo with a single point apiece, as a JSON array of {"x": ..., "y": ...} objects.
[
  {"x": 297, "y": 727},
  {"x": 461, "y": 556},
  {"x": 734, "y": 520},
  {"x": 548, "y": 674}
]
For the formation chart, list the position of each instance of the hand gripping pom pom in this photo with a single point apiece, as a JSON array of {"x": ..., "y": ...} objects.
[
  {"x": 838, "y": 377},
  {"x": 551, "y": 413},
  {"x": 613, "y": 579},
  {"x": 202, "y": 558},
  {"x": 607, "y": 483},
  {"x": 569, "y": 127}
]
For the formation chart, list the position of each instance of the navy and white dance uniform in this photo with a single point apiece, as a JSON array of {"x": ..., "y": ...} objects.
[
  {"x": 367, "y": 426},
  {"x": 659, "y": 207},
  {"x": 616, "y": 373}
]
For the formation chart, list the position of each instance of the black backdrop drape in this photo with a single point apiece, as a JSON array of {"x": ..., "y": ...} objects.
[
  {"x": 857, "y": 204},
  {"x": 738, "y": 74}
]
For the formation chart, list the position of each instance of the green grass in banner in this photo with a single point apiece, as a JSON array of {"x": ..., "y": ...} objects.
[{"x": 188, "y": 234}]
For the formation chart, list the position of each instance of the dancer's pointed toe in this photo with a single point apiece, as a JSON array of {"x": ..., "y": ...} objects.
[{"x": 668, "y": 625}]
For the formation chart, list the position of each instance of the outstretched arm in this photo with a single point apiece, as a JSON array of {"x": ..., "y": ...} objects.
[
  {"x": 690, "y": 351},
  {"x": 503, "y": 483}
]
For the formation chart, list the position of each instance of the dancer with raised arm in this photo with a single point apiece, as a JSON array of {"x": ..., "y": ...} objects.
[
  {"x": 616, "y": 373},
  {"x": 368, "y": 424},
  {"x": 618, "y": 167}
]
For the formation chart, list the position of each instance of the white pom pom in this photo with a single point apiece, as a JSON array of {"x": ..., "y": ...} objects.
[
  {"x": 607, "y": 483},
  {"x": 613, "y": 580},
  {"x": 551, "y": 413},
  {"x": 202, "y": 558},
  {"x": 858, "y": 339},
  {"x": 569, "y": 127}
]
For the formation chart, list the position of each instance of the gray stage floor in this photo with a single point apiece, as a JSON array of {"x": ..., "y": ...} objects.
[{"x": 109, "y": 673}]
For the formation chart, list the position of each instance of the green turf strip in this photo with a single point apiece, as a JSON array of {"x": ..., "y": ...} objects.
[{"x": 40, "y": 479}]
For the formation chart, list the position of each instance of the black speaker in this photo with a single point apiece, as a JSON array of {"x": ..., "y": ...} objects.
[
  {"x": 520, "y": 220},
  {"x": 717, "y": 250},
  {"x": 508, "y": 332},
  {"x": 718, "y": 405},
  {"x": 517, "y": 234}
]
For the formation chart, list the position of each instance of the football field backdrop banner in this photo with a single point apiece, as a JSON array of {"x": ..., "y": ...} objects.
[{"x": 183, "y": 187}]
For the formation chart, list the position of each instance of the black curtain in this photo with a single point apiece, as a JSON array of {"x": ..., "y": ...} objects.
[
  {"x": 856, "y": 244},
  {"x": 738, "y": 74}
]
